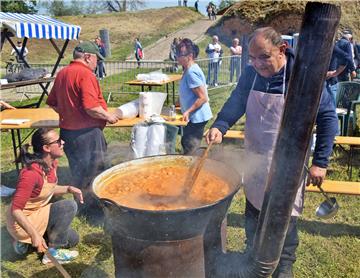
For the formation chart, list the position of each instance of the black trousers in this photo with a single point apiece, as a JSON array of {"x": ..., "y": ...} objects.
[
  {"x": 288, "y": 256},
  {"x": 192, "y": 136},
  {"x": 85, "y": 150}
]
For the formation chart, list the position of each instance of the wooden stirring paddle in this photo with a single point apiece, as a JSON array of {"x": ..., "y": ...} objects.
[
  {"x": 194, "y": 172},
  {"x": 57, "y": 264}
]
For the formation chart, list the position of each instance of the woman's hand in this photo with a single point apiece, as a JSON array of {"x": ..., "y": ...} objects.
[
  {"x": 39, "y": 243},
  {"x": 76, "y": 193},
  {"x": 214, "y": 135},
  {"x": 186, "y": 116}
]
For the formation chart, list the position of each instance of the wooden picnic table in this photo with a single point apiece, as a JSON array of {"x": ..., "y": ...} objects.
[
  {"x": 40, "y": 82},
  {"x": 172, "y": 79},
  {"x": 47, "y": 117}
]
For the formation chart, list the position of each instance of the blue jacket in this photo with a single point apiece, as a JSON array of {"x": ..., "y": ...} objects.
[
  {"x": 235, "y": 107},
  {"x": 345, "y": 46},
  {"x": 339, "y": 57}
]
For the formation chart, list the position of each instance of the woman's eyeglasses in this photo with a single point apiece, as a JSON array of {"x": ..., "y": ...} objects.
[
  {"x": 179, "y": 54},
  {"x": 58, "y": 141}
]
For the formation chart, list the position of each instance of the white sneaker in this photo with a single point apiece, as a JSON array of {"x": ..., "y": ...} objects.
[
  {"x": 63, "y": 256},
  {"x": 216, "y": 84}
]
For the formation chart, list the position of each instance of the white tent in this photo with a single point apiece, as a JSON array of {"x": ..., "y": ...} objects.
[{"x": 25, "y": 26}]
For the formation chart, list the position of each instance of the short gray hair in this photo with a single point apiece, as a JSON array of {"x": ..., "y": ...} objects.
[
  {"x": 268, "y": 33},
  {"x": 78, "y": 55}
]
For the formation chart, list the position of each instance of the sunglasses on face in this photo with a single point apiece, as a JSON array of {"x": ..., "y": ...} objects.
[
  {"x": 58, "y": 141},
  {"x": 179, "y": 54}
]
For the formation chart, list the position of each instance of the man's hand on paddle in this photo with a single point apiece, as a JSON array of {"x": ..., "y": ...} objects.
[{"x": 214, "y": 135}]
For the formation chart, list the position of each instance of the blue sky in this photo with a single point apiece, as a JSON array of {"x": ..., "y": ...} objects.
[
  {"x": 150, "y": 4},
  {"x": 168, "y": 3}
]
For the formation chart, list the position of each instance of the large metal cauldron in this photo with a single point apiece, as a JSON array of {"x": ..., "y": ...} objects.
[{"x": 168, "y": 243}]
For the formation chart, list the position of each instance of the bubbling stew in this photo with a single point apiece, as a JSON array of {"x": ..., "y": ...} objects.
[{"x": 161, "y": 187}]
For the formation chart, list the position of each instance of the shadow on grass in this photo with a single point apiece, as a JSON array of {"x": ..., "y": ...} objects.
[
  {"x": 10, "y": 273},
  {"x": 74, "y": 269},
  {"x": 328, "y": 229},
  {"x": 236, "y": 220},
  {"x": 104, "y": 241},
  {"x": 308, "y": 226}
]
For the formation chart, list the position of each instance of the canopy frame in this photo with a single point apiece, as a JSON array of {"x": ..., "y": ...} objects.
[{"x": 7, "y": 33}]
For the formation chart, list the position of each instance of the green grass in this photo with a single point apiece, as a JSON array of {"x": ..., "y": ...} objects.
[{"x": 328, "y": 248}]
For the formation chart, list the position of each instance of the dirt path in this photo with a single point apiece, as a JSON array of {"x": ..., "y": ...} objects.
[{"x": 160, "y": 49}]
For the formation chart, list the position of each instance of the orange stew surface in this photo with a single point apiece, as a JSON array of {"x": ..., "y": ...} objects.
[{"x": 162, "y": 187}]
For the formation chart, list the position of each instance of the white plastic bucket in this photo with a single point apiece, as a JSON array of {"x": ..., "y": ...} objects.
[{"x": 151, "y": 103}]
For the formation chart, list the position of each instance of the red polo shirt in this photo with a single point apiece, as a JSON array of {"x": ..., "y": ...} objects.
[{"x": 76, "y": 89}]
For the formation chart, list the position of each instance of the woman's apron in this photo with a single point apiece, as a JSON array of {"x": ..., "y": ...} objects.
[
  {"x": 37, "y": 211},
  {"x": 263, "y": 117}
]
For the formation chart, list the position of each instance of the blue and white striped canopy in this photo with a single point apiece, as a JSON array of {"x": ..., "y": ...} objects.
[{"x": 38, "y": 26}]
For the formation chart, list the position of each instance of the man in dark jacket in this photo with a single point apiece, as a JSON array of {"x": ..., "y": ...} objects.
[
  {"x": 345, "y": 45},
  {"x": 260, "y": 94}
]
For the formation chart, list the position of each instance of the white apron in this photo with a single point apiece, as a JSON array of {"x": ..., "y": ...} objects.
[{"x": 263, "y": 117}]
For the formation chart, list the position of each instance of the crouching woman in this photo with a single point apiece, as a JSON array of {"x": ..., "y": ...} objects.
[{"x": 31, "y": 217}]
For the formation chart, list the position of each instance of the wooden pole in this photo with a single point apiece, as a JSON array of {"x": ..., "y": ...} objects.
[{"x": 314, "y": 50}]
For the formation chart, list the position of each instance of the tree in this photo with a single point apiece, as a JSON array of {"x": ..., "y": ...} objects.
[
  {"x": 226, "y": 3},
  {"x": 124, "y": 5},
  {"x": 60, "y": 8},
  {"x": 19, "y": 6}
]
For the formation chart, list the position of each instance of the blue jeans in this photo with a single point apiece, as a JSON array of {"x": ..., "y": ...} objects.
[
  {"x": 333, "y": 92},
  {"x": 234, "y": 66},
  {"x": 288, "y": 256},
  {"x": 213, "y": 67},
  {"x": 100, "y": 69},
  {"x": 58, "y": 230}
]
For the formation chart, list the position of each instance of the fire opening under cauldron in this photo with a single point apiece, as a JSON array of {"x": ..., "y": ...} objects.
[{"x": 155, "y": 238}]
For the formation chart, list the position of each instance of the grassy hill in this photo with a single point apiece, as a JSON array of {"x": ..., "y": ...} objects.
[
  {"x": 124, "y": 27},
  {"x": 262, "y": 12}
]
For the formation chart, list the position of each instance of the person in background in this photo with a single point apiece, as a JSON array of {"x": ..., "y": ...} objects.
[
  {"x": 214, "y": 53},
  {"x": 5, "y": 105},
  {"x": 345, "y": 45},
  {"x": 235, "y": 61},
  {"x": 19, "y": 46},
  {"x": 185, "y": 3},
  {"x": 32, "y": 218},
  {"x": 260, "y": 94},
  {"x": 172, "y": 54},
  {"x": 138, "y": 51},
  {"x": 196, "y": 5},
  {"x": 77, "y": 98},
  {"x": 338, "y": 62},
  {"x": 194, "y": 98},
  {"x": 357, "y": 54},
  {"x": 213, "y": 12},
  {"x": 100, "y": 69},
  {"x": 209, "y": 11}
]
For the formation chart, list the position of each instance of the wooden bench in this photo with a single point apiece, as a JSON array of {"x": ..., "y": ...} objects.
[{"x": 338, "y": 187}]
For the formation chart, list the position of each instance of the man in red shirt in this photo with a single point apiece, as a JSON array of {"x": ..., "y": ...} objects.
[{"x": 77, "y": 98}]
